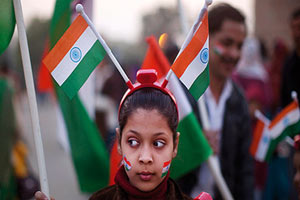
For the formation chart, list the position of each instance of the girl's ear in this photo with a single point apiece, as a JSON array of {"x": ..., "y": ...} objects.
[
  {"x": 176, "y": 145},
  {"x": 119, "y": 141}
]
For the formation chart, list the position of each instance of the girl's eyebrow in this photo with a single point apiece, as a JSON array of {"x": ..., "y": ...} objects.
[
  {"x": 134, "y": 132},
  {"x": 155, "y": 134},
  {"x": 158, "y": 134}
]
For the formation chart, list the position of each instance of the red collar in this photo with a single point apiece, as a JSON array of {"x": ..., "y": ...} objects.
[{"x": 133, "y": 193}]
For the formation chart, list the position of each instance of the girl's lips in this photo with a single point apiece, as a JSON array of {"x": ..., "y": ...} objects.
[{"x": 145, "y": 176}]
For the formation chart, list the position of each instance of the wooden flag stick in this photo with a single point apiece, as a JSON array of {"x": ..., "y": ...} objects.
[
  {"x": 79, "y": 9},
  {"x": 31, "y": 97}
]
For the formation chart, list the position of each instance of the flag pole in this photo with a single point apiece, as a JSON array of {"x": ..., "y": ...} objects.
[
  {"x": 79, "y": 9},
  {"x": 212, "y": 160},
  {"x": 31, "y": 97}
]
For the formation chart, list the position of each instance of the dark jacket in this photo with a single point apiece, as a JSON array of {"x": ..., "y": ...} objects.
[
  {"x": 237, "y": 165},
  {"x": 115, "y": 192}
]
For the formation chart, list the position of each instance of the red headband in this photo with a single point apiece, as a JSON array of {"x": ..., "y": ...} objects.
[{"x": 147, "y": 78}]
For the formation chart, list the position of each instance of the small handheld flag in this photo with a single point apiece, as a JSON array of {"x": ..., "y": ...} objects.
[
  {"x": 268, "y": 134},
  {"x": 74, "y": 57},
  {"x": 191, "y": 65},
  {"x": 286, "y": 123}
]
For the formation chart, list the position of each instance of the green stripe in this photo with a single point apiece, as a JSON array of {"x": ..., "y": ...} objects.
[
  {"x": 200, "y": 84},
  {"x": 289, "y": 131},
  {"x": 193, "y": 147},
  {"x": 89, "y": 153},
  {"x": 83, "y": 70},
  {"x": 7, "y": 23}
]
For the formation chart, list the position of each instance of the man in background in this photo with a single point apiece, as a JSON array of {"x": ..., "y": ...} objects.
[{"x": 230, "y": 131}]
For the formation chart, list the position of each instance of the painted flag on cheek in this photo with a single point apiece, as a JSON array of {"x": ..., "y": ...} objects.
[
  {"x": 74, "y": 57},
  {"x": 127, "y": 164},
  {"x": 166, "y": 168}
]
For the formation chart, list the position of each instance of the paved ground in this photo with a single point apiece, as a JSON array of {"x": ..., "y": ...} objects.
[{"x": 61, "y": 177}]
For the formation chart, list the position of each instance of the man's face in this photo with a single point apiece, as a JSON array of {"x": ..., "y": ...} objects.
[
  {"x": 295, "y": 27},
  {"x": 225, "y": 48}
]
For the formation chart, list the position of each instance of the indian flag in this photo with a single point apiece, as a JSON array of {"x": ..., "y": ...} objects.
[
  {"x": 126, "y": 163},
  {"x": 193, "y": 148},
  {"x": 286, "y": 123},
  {"x": 74, "y": 57},
  {"x": 191, "y": 65},
  {"x": 261, "y": 138},
  {"x": 166, "y": 168}
]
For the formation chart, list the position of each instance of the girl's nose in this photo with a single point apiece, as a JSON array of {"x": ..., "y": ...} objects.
[{"x": 145, "y": 156}]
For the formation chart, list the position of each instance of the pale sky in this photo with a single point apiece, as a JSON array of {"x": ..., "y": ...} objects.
[{"x": 122, "y": 19}]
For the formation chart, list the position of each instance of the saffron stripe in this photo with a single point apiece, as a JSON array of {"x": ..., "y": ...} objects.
[
  {"x": 257, "y": 136},
  {"x": 84, "y": 69},
  {"x": 192, "y": 49},
  {"x": 200, "y": 84},
  {"x": 65, "y": 43},
  {"x": 67, "y": 66},
  {"x": 283, "y": 113}
]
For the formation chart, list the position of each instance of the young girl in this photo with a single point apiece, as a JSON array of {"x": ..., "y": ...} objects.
[{"x": 148, "y": 141}]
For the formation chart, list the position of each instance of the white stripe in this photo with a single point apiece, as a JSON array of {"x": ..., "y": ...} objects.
[
  {"x": 291, "y": 118},
  {"x": 263, "y": 145},
  {"x": 195, "y": 68},
  {"x": 64, "y": 69},
  {"x": 165, "y": 169},
  {"x": 183, "y": 104}
]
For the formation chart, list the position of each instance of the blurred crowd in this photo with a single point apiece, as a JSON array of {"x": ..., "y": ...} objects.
[{"x": 244, "y": 75}]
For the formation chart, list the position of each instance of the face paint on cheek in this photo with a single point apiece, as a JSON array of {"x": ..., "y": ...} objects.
[
  {"x": 127, "y": 164},
  {"x": 166, "y": 168},
  {"x": 218, "y": 50}
]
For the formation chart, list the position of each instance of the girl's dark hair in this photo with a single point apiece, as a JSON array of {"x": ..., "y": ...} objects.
[{"x": 149, "y": 99}]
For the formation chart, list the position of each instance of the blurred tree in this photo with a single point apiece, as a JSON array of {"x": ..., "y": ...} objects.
[{"x": 163, "y": 20}]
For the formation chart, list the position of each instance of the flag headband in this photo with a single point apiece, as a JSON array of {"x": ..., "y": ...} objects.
[{"x": 147, "y": 78}]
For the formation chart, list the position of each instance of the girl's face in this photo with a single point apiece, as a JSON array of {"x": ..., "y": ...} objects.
[
  {"x": 147, "y": 143},
  {"x": 296, "y": 161}
]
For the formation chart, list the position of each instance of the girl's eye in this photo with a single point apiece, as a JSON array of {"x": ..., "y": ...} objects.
[
  {"x": 158, "y": 143},
  {"x": 133, "y": 142}
]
